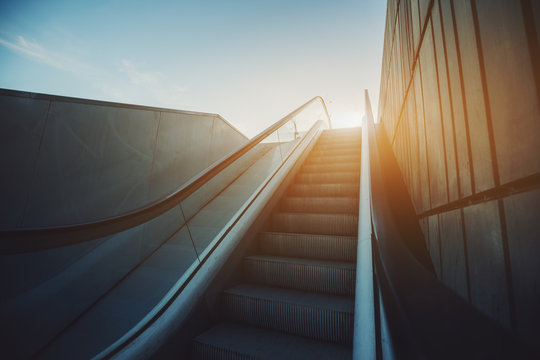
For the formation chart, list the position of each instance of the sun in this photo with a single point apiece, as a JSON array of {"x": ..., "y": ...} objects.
[{"x": 347, "y": 119}]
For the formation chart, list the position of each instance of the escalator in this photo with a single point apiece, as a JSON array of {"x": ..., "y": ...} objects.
[
  {"x": 94, "y": 289},
  {"x": 301, "y": 243},
  {"x": 296, "y": 295}
]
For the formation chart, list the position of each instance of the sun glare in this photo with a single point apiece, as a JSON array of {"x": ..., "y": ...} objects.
[{"x": 346, "y": 119}]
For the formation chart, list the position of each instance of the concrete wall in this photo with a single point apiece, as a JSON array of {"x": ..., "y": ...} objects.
[
  {"x": 70, "y": 160},
  {"x": 460, "y": 103}
]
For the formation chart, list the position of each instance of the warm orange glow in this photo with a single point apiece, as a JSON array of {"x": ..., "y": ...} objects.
[{"x": 346, "y": 119}]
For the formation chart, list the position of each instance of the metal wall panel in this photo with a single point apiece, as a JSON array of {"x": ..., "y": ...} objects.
[{"x": 469, "y": 87}]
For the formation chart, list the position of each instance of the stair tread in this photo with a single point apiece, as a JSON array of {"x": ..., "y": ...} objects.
[
  {"x": 325, "y": 198},
  {"x": 327, "y": 156},
  {"x": 337, "y": 173},
  {"x": 324, "y": 190},
  {"x": 282, "y": 213},
  {"x": 325, "y": 168},
  {"x": 331, "y": 186},
  {"x": 314, "y": 223},
  {"x": 302, "y": 261},
  {"x": 309, "y": 246},
  {"x": 319, "y": 204},
  {"x": 337, "y": 237},
  {"x": 296, "y": 297},
  {"x": 269, "y": 344},
  {"x": 328, "y": 178}
]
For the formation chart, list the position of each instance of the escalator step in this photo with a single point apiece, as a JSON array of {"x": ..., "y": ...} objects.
[
  {"x": 320, "y": 205},
  {"x": 338, "y": 138},
  {"x": 323, "y": 148},
  {"x": 345, "y": 167},
  {"x": 332, "y": 159},
  {"x": 240, "y": 342},
  {"x": 324, "y": 224},
  {"x": 322, "y": 276},
  {"x": 328, "y": 178},
  {"x": 324, "y": 190},
  {"x": 329, "y": 247},
  {"x": 346, "y": 142},
  {"x": 316, "y": 316},
  {"x": 353, "y": 151},
  {"x": 355, "y": 132}
]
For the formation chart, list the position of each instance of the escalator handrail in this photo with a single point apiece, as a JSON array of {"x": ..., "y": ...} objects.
[
  {"x": 13, "y": 241},
  {"x": 146, "y": 347},
  {"x": 364, "y": 336}
]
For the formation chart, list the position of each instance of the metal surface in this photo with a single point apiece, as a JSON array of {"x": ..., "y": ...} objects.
[
  {"x": 424, "y": 318},
  {"x": 28, "y": 240},
  {"x": 364, "y": 341},
  {"x": 156, "y": 328}
]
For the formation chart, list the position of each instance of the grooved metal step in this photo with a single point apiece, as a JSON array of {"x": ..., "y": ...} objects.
[
  {"x": 328, "y": 178},
  {"x": 332, "y": 159},
  {"x": 324, "y": 190},
  {"x": 329, "y": 247},
  {"x": 321, "y": 276},
  {"x": 235, "y": 341},
  {"x": 345, "y": 167},
  {"x": 340, "y": 137},
  {"x": 320, "y": 205},
  {"x": 354, "y": 151},
  {"x": 324, "y": 224},
  {"x": 333, "y": 145},
  {"x": 355, "y": 131},
  {"x": 316, "y": 316}
]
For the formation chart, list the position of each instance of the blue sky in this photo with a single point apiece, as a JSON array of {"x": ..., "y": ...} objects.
[{"x": 250, "y": 61}]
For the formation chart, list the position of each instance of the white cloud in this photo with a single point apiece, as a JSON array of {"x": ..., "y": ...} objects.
[
  {"x": 39, "y": 53},
  {"x": 129, "y": 83},
  {"x": 147, "y": 87}
]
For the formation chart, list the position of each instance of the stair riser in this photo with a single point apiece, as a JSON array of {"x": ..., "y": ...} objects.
[
  {"x": 341, "y": 138},
  {"x": 202, "y": 351},
  {"x": 335, "y": 280},
  {"x": 332, "y": 159},
  {"x": 337, "y": 152},
  {"x": 328, "y": 178},
  {"x": 345, "y": 167},
  {"x": 315, "y": 323},
  {"x": 315, "y": 224},
  {"x": 324, "y": 190},
  {"x": 329, "y": 205},
  {"x": 309, "y": 246},
  {"x": 335, "y": 146}
]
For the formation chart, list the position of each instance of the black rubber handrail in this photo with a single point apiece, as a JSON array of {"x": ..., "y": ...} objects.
[
  {"x": 426, "y": 319},
  {"x": 13, "y": 241}
]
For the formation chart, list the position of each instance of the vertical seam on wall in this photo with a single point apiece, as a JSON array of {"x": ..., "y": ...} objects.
[
  {"x": 494, "y": 162},
  {"x": 533, "y": 42},
  {"x": 440, "y": 109},
  {"x": 34, "y": 167},
  {"x": 507, "y": 264},
  {"x": 391, "y": 44},
  {"x": 425, "y": 134},
  {"x": 418, "y": 168},
  {"x": 415, "y": 62},
  {"x": 458, "y": 179},
  {"x": 156, "y": 138},
  {"x": 466, "y": 253},
  {"x": 464, "y": 101}
]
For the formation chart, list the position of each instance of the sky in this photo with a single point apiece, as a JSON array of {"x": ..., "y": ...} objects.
[{"x": 250, "y": 61}]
